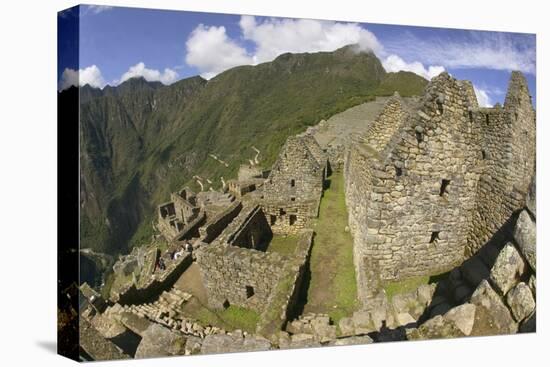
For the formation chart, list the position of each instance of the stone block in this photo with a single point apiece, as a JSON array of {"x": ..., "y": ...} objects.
[
  {"x": 525, "y": 234},
  {"x": 521, "y": 302},
  {"x": 508, "y": 268}
]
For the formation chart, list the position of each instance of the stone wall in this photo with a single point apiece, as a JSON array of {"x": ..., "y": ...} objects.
[
  {"x": 238, "y": 276},
  {"x": 292, "y": 192},
  {"x": 411, "y": 195},
  {"x": 508, "y": 156},
  {"x": 284, "y": 297},
  {"x": 426, "y": 188},
  {"x": 249, "y": 229},
  {"x": 214, "y": 226},
  {"x": 290, "y": 217},
  {"x": 152, "y": 287}
]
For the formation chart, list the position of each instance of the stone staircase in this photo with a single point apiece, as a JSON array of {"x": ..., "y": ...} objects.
[{"x": 167, "y": 311}]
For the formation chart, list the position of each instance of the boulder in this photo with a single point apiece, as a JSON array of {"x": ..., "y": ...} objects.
[
  {"x": 346, "y": 326},
  {"x": 435, "y": 328},
  {"x": 283, "y": 340},
  {"x": 324, "y": 333},
  {"x": 159, "y": 341},
  {"x": 492, "y": 317},
  {"x": 193, "y": 345},
  {"x": 404, "y": 319},
  {"x": 525, "y": 234},
  {"x": 463, "y": 317},
  {"x": 303, "y": 341},
  {"x": 96, "y": 346},
  {"x": 425, "y": 293},
  {"x": 299, "y": 327},
  {"x": 362, "y": 322},
  {"x": 353, "y": 340},
  {"x": 221, "y": 343},
  {"x": 508, "y": 268},
  {"x": 107, "y": 326},
  {"x": 521, "y": 302},
  {"x": 253, "y": 343},
  {"x": 404, "y": 302}
]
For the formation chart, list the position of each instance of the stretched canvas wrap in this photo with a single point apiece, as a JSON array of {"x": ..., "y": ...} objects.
[{"x": 233, "y": 183}]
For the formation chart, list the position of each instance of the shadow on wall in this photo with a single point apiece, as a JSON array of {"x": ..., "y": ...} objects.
[{"x": 459, "y": 284}]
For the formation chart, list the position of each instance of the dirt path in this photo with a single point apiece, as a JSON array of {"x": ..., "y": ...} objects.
[{"x": 190, "y": 282}]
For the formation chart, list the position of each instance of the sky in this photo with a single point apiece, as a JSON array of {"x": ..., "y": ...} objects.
[{"x": 117, "y": 43}]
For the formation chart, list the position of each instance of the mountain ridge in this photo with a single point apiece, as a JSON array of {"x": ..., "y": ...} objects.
[{"x": 141, "y": 140}]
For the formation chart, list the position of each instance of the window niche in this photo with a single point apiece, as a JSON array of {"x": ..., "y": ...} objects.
[
  {"x": 292, "y": 219},
  {"x": 293, "y": 183},
  {"x": 249, "y": 291},
  {"x": 398, "y": 171},
  {"x": 443, "y": 191},
  {"x": 434, "y": 237}
]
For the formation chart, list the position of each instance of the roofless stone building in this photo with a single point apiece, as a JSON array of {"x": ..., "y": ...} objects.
[
  {"x": 428, "y": 185},
  {"x": 294, "y": 186}
]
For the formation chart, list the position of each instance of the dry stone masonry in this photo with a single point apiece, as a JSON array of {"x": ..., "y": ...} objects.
[
  {"x": 429, "y": 184},
  {"x": 434, "y": 184}
]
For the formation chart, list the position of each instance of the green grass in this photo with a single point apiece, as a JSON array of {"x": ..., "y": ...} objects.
[
  {"x": 410, "y": 284},
  {"x": 231, "y": 318},
  {"x": 283, "y": 245},
  {"x": 405, "y": 286},
  {"x": 333, "y": 288}
]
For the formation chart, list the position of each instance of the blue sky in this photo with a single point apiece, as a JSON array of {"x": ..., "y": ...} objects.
[{"x": 117, "y": 43}]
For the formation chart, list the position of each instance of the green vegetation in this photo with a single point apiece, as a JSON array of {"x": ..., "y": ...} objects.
[
  {"x": 404, "y": 286},
  {"x": 142, "y": 140},
  {"x": 333, "y": 288},
  {"x": 410, "y": 284},
  {"x": 230, "y": 318},
  {"x": 283, "y": 245}
]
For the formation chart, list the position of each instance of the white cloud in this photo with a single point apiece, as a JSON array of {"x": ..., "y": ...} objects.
[
  {"x": 211, "y": 51},
  {"x": 96, "y": 9},
  {"x": 273, "y": 37},
  {"x": 394, "y": 63},
  {"x": 168, "y": 76},
  {"x": 90, "y": 75},
  {"x": 470, "y": 49},
  {"x": 483, "y": 98}
]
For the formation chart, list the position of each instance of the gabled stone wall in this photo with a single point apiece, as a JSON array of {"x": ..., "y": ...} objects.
[
  {"x": 424, "y": 188},
  {"x": 292, "y": 192},
  {"x": 508, "y": 154}
]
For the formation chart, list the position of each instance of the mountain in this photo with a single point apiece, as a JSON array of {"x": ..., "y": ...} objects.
[{"x": 142, "y": 140}]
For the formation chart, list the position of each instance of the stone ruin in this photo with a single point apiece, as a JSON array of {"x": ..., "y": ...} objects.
[
  {"x": 293, "y": 189},
  {"x": 434, "y": 184},
  {"x": 429, "y": 184}
]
